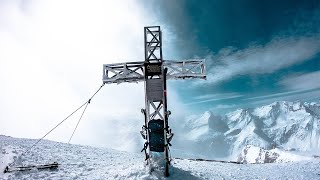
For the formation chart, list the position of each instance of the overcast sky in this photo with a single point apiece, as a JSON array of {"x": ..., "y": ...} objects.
[{"x": 51, "y": 56}]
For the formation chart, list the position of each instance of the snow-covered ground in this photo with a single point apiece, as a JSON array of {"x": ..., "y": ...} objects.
[{"x": 85, "y": 162}]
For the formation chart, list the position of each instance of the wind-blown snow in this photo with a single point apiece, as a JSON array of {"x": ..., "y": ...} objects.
[{"x": 85, "y": 162}]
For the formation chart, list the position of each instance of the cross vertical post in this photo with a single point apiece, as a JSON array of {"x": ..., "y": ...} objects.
[
  {"x": 153, "y": 84},
  {"x": 158, "y": 133}
]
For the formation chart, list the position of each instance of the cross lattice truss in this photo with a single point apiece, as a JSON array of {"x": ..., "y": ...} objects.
[
  {"x": 153, "y": 45},
  {"x": 156, "y": 108},
  {"x": 123, "y": 72},
  {"x": 134, "y": 71}
]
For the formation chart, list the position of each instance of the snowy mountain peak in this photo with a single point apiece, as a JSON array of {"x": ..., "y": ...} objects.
[
  {"x": 196, "y": 121},
  {"x": 239, "y": 119},
  {"x": 284, "y": 107}
]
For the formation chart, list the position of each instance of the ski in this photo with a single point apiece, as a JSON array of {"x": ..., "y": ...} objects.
[
  {"x": 210, "y": 160},
  {"x": 26, "y": 168}
]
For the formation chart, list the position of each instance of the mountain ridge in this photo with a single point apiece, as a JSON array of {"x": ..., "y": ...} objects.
[{"x": 282, "y": 124}]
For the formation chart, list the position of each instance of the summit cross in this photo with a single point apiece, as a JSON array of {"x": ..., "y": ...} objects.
[{"x": 154, "y": 72}]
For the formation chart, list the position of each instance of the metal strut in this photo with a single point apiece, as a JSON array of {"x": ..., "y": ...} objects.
[{"x": 166, "y": 125}]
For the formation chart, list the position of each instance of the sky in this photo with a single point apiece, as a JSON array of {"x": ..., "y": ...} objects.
[
  {"x": 52, "y": 52},
  {"x": 256, "y": 52}
]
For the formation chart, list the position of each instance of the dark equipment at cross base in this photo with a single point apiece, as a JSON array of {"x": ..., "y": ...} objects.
[
  {"x": 156, "y": 135},
  {"x": 154, "y": 71}
]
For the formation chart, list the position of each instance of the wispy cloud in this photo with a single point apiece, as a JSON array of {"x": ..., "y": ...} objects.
[
  {"x": 275, "y": 95},
  {"x": 303, "y": 87},
  {"x": 305, "y": 81},
  {"x": 313, "y": 95},
  {"x": 217, "y": 96},
  {"x": 224, "y": 106},
  {"x": 214, "y": 97},
  {"x": 222, "y": 109},
  {"x": 260, "y": 59}
]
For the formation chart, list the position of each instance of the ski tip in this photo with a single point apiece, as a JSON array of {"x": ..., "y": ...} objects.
[{"x": 6, "y": 169}]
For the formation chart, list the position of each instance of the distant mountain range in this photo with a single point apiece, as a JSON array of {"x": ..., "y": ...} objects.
[{"x": 291, "y": 126}]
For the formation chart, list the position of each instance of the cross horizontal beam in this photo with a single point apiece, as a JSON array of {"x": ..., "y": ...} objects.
[
  {"x": 134, "y": 71},
  {"x": 123, "y": 72},
  {"x": 186, "y": 69}
]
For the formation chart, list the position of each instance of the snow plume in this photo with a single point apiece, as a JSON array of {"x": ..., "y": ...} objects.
[
  {"x": 259, "y": 59},
  {"x": 51, "y": 56}
]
